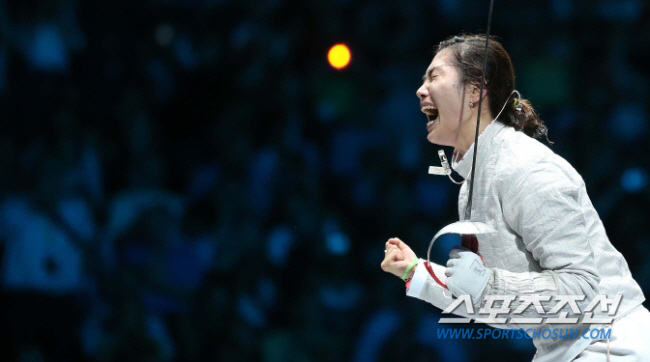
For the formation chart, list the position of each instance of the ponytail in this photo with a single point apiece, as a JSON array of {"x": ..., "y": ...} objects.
[{"x": 522, "y": 117}]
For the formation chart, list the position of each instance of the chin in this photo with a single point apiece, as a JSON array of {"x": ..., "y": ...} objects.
[{"x": 433, "y": 140}]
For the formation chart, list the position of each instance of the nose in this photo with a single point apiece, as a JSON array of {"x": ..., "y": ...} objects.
[{"x": 422, "y": 92}]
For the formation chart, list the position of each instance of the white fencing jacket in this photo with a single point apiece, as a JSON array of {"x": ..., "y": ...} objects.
[{"x": 550, "y": 240}]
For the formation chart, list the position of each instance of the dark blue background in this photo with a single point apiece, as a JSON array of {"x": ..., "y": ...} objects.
[{"x": 191, "y": 181}]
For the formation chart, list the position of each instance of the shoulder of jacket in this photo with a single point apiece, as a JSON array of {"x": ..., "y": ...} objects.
[{"x": 518, "y": 154}]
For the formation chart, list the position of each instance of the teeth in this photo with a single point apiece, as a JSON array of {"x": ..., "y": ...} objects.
[{"x": 429, "y": 110}]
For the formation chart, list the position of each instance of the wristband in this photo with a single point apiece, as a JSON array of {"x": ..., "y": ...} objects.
[{"x": 409, "y": 268}]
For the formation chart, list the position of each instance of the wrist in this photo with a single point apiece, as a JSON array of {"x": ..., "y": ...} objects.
[
  {"x": 410, "y": 276},
  {"x": 410, "y": 270}
]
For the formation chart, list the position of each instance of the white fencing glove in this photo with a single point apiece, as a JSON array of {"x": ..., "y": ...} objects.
[{"x": 466, "y": 274}]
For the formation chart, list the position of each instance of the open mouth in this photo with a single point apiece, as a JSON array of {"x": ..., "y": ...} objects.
[{"x": 431, "y": 112}]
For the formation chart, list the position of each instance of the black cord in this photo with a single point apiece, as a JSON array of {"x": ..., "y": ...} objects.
[{"x": 468, "y": 209}]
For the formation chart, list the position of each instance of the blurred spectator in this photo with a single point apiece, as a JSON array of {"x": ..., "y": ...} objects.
[{"x": 190, "y": 181}]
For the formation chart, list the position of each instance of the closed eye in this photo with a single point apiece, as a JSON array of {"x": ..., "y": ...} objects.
[
  {"x": 429, "y": 79},
  {"x": 430, "y": 74}
]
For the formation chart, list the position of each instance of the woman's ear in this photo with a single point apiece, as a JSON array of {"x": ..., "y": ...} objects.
[{"x": 474, "y": 93}]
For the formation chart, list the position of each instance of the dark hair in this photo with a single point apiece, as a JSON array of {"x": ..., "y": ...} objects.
[{"x": 468, "y": 53}]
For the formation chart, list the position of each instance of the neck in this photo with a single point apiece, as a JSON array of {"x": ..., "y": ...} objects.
[{"x": 468, "y": 131}]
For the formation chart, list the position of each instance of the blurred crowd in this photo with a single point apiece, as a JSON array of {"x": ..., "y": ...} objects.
[{"x": 191, "y": 181}]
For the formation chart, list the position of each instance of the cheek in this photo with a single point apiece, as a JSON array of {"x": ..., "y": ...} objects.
[
  {"x": 452, "y": 102},
  {"x": 448, "y": 105}
]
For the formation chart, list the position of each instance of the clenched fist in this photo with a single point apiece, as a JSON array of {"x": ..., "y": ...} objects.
[{"x": 398, "y": 257}]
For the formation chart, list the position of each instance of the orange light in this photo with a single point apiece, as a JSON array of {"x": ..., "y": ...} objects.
[{"x": 339, "y": 56}]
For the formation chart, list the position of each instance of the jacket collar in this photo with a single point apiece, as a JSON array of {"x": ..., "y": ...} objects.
[{"x": 463, "y": 165}]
